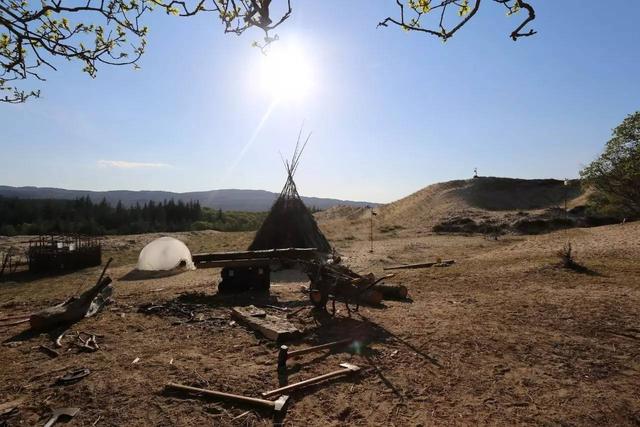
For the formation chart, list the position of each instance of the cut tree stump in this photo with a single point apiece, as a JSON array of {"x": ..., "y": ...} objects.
[{"x": 272, "y": 327}]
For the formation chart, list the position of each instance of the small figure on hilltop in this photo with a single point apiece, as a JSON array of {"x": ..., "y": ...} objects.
[{"x": 475, "y": 173}]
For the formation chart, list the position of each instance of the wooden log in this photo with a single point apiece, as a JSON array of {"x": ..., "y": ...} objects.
[
  {"x": 371, "y": 297},
  {"x": 294, "y": 253},
  {"x": 421, "y": 265},
  {"x": 256, "y": 262},
  {"x": 69, "y": 312},
  {"x": 72, "y": 310},
  {"x": 391, "y": 290}
]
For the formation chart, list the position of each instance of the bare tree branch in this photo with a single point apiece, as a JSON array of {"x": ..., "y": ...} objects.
[{"x": 107, "y": 32}]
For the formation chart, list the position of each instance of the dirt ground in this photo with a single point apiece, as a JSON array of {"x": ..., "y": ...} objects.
[{"x": 502, "y": 337}]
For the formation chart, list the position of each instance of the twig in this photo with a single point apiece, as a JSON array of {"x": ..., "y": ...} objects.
[
  {"x": 244, "y": 414},
  {"x": 58, "y": 341}
]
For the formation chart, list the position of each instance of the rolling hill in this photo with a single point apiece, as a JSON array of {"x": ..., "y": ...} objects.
[
  {"x": 484, "y": 198},
  {"x": 227, "y": 200}
]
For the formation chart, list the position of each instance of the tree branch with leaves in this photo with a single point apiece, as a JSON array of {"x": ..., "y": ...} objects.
[
  {"x": 615, "y": 175},
  {"x": 110, "y": 32},
  {"x": 414, "y": 14},
  {"x": 98, "y": 32}
]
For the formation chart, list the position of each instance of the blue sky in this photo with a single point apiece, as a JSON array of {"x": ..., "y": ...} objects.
[{"x": 390, "y": 112}]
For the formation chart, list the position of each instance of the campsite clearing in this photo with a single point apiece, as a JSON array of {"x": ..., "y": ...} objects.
[{"x": 503, "y": 334}]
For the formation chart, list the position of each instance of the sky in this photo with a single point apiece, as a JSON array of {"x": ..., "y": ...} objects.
[{"x": 390, "y": 112}]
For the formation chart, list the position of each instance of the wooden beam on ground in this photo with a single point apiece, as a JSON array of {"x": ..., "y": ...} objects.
[
  {"x": 444, "y": 263},
  {"x": 236, "y": 263},
  {"x": 292, "y": 253},
  {"x": 272, "y": 327}
]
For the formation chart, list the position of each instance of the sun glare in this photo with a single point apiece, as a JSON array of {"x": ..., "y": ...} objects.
[{"x": 286, "y": 73}]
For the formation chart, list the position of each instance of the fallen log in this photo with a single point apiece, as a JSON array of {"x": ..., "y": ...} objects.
[
  {"x": 444, "y": 263},
  {"x": 391, "y": 290},
  {"x": 238, "y": 263},
  {"x": 345, "y": 292},
  {"x": 370, "y": 297},
  {"x": 74, "y": 309}
]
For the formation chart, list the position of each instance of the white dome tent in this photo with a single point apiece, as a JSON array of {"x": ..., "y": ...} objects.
[{"x": 164, "y": 254}]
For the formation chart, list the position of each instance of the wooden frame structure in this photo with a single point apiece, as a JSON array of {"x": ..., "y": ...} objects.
[{"x": 56, "y": 253}]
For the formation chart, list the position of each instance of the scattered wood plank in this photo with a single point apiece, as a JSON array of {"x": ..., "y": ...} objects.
[
  {"x": 444, "y": 263},
  {"x": 272, "y": 327}
]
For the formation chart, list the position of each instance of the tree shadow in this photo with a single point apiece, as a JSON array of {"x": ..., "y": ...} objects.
[
  {"x": 394, "y": 337},
  {"x": 382, "y": 377},
  {"x": 25, "y": 276},
  {"x": 30, "y": 333},
  {"x": 579, "y": 268}
]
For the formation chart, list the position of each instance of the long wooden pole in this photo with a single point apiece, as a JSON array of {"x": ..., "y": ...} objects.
[
  {"x": 371, "y": 231},
  {"x": 221, "y": 395},
  {"x": 420, "y": 265}
]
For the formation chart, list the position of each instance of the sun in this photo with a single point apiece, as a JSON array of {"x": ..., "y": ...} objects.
[{"x": 286, "y": 73}]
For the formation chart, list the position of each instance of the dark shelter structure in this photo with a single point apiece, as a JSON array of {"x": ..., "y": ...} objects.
[{"x": 290, "y": 224}]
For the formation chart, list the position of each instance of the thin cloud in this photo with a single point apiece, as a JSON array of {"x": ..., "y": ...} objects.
[{"x": 122, "y": 164}]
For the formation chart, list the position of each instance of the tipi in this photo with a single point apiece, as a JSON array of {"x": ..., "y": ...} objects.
[{"x": 290, "y": 224}]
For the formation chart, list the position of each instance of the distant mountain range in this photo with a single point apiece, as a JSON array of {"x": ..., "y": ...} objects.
[{"x": 227, "y": 200}]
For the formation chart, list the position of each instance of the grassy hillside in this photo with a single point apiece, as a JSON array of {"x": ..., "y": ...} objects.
[{"x": 483, "y": 199}]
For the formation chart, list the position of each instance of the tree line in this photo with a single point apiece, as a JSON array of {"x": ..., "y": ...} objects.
[{"x": 41, "y": 216}]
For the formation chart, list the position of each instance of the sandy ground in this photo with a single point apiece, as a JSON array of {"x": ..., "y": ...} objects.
[{"x": 503, "y": 337}]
